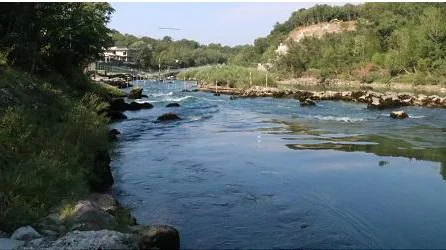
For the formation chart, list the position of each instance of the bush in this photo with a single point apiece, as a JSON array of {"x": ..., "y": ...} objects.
[
  {"x": 47, "y": 151},
  {"x": 230, "y": 76}
]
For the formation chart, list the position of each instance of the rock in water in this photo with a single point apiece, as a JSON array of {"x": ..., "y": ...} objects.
[
  {"x": 135, "y": 93},
  {"x": 158, "y": 237},
  {"x": 116, "y": 115},
  {"x": 103, "y": 239},
  {"x": 25, "y": 233},
  {"x": 307, "y": 102},
  {"x": 137, "y": 106},
  {"x": 168, "y": 117},
  {"x": 399, "y": 114},
  {"x": 173, "y": 104}
]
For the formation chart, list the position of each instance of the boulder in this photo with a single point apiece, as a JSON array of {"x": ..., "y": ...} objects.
[
  {"x": 399, "y": 114},
  {"x": 168, "y": 117},
  {"x": 375, "y": 103},
  {"x": 174, "y": 104},
  {"x": 106, "y": 202},
  {"x": 137, "y": 106},
  {"x": 116, "y": 115},
  {"x": 307, "y": 102},
  {"x": 25, "y": 233},
  {"x": 103, "y": 239},
  {"x": 158, "y": 237},
  {"x": 135, "y": 93},
  {"x": 86, "y": 216},
  {"x": 117, "y": 104}
]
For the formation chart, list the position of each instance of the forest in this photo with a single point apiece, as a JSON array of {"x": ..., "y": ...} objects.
[{"x": 401, "y": 42}]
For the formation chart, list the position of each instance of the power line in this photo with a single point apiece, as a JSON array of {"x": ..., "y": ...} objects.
[{"x": 167, "y": 28}]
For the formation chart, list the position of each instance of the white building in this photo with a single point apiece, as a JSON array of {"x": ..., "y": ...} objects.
[{"x": 119, "y": 54}]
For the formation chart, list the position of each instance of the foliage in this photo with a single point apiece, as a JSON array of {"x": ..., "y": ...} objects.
[
  {"x": 230, "y": 76},
  {"x": 152, "y": 53},
  {"x": 38, "y": 37},
  {"x": 47, "y": 148},
  {"x": 404, "y": 39}
]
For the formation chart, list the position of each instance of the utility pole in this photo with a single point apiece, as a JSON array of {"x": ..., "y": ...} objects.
[
  {"x": 250, "y": 79},
  {"x": 159, "y": 68},
  {"x": 266, "y": 79}
]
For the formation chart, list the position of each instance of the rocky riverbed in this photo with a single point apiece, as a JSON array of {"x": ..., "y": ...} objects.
[{"x": 374, "y": 100}]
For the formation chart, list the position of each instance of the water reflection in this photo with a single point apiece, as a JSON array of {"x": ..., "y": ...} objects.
[{"x": 378, "y": 145}]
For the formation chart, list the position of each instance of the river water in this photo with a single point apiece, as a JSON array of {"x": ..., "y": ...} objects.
[{"x": 267, "y": 173}]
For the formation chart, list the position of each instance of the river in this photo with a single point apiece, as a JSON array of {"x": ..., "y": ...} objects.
[{"x": 267, "y": 173}]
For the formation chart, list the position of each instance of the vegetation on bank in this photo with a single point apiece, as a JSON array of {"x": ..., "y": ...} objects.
[
  {"x": 230, "y": 76},
  {"x": 53, "y": 131}
]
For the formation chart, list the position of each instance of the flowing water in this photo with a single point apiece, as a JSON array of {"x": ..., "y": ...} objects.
[{"x": 267, "y": 173}]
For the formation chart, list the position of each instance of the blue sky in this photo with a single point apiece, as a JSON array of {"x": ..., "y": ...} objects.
[{"x": 225, "y": 23}]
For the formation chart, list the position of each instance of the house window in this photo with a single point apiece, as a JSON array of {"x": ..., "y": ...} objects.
[{"x": 124, "y": 53}]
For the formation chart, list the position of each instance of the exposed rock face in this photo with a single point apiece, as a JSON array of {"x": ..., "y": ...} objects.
[
  {"x": 158, "y": 237},
  {"x": 307, "y": 102},
  {"x": 102, "y": 177},
  {"x": 399, "y": 115},
  {"x": 25, "y": 233},
  {"x": 174, "y": 104},
  {"x": 135, "y": 93},
  {"x": 103, "y": 239},
  {"x": 168, "y": 117}
]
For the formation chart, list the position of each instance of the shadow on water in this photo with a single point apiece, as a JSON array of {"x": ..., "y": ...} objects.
[{"x": 381, "y": 146}]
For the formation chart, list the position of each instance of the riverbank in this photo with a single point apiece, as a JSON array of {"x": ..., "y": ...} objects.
[
  {"x": 55, "y": 174},
  {"x": 372, "y": 98}
]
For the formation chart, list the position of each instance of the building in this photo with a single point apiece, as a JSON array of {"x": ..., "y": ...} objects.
[{"x": 119, "y": 54}]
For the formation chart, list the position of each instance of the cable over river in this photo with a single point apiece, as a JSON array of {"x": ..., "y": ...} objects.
[{"x": 267, "y": 173}]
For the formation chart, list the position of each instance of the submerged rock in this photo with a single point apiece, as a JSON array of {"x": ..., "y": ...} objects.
[
  {"x": 158, "y": 237},
  {"x": 174, "y": 104},
  {"x": 399, "y": 114},
  {"x": 168, "y": 117},
  {"x": 307, "y": 102},
  {"x": 25, "y": 233},
  {"x": 135, "y": 93}
]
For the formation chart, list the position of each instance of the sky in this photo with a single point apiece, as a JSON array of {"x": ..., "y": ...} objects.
[{"x": 225, "y": 23}]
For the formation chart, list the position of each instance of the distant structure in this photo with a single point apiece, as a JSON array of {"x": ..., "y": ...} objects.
[{"x": 119, "y": 54}]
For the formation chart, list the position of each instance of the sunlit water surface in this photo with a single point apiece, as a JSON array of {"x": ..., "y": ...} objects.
[{"x": 267, "y": 173}]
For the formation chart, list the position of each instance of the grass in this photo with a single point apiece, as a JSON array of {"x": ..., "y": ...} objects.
[
  {"x": 230, "y": 76},
  {"x": 50, "y": 135}
]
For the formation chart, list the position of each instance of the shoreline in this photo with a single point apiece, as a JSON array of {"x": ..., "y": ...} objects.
[{"x": 372, "y": 98}]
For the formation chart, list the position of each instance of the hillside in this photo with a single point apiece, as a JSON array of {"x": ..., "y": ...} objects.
[{"x": 320, "y": 29}]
